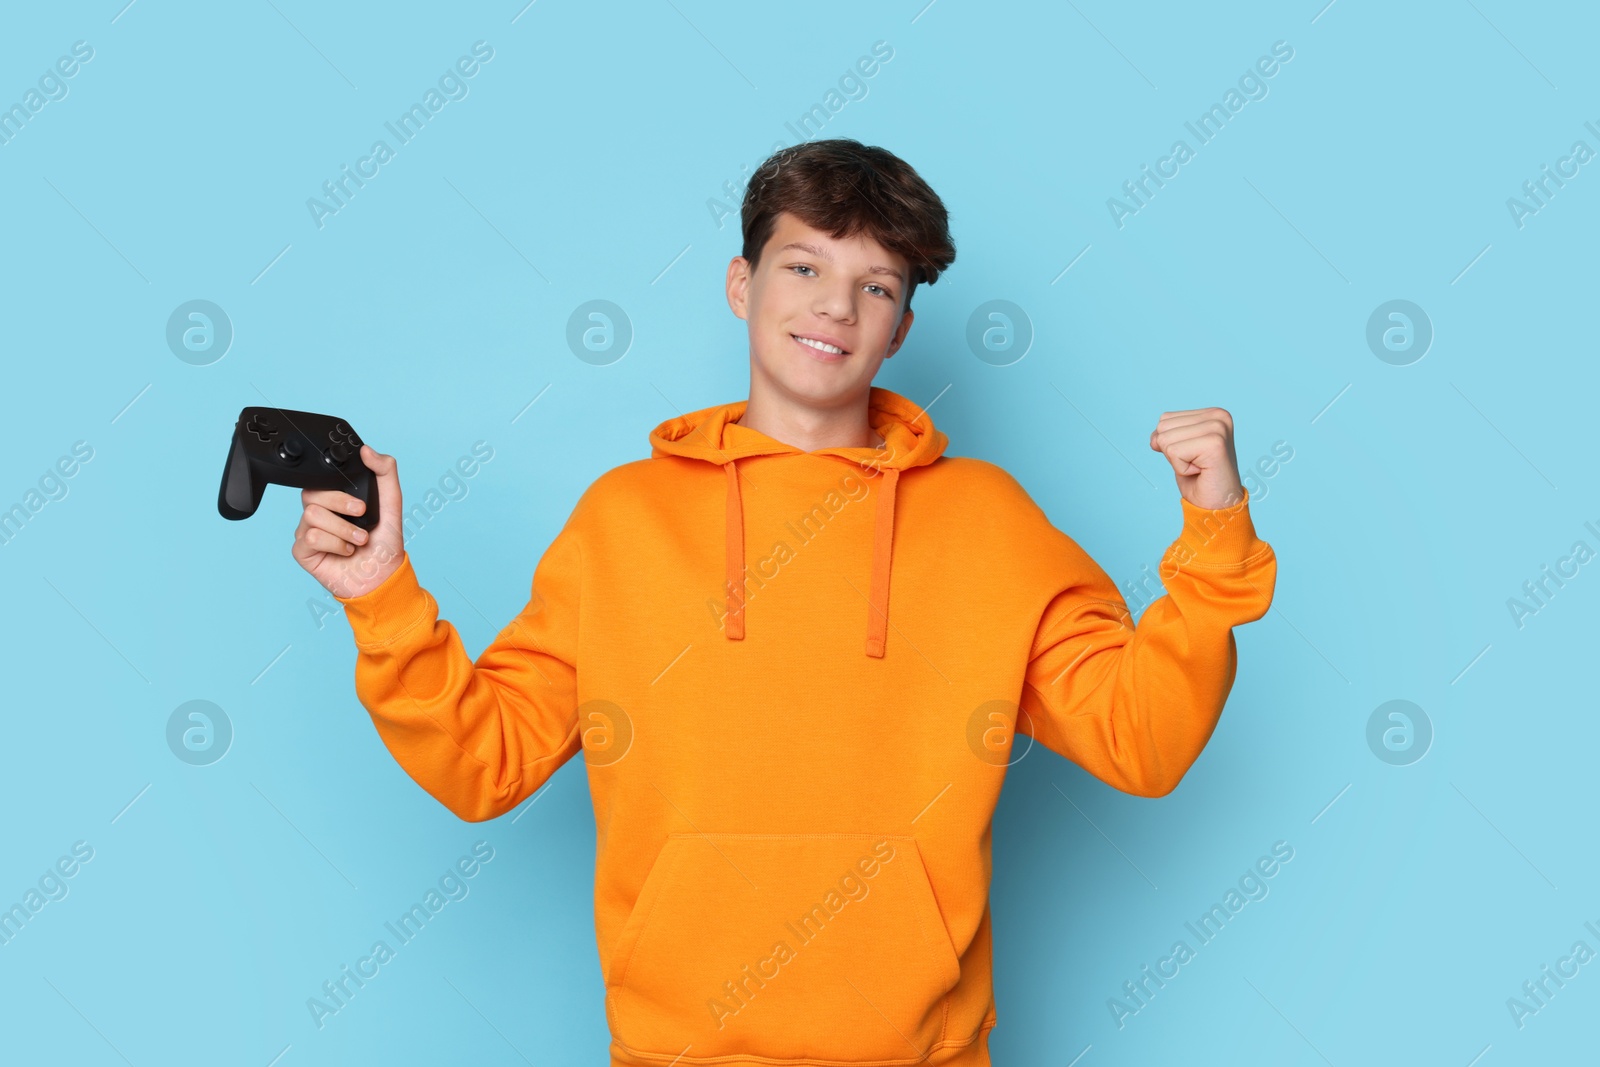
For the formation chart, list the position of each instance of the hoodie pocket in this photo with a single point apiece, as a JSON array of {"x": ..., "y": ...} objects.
[{"x": 783, "y": 946}]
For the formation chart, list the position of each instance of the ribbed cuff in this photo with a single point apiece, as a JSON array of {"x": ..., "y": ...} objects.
[
  {"x": 1216, "y": 537},
  {"x": 380, "y": 615}
]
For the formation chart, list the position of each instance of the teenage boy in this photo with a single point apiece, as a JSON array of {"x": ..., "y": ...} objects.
[{"x": 796, "y": 645}]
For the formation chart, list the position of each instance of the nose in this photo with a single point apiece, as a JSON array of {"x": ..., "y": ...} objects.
[{"x": 837, "y": 300}]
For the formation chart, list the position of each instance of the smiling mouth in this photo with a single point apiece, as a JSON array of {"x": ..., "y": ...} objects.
[{"x": 820, "y": 346}]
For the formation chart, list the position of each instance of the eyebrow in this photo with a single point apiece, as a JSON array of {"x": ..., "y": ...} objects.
[{"x": 814, "y": 250}]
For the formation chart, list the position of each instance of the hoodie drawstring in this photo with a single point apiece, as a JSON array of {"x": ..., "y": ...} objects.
[
  {"x": 882, "y": 542},
  {"x": 735, "y": 552},
  {"x": 882, "y": 546}
]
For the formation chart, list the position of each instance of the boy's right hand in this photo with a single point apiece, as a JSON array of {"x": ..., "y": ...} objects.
[{"x": 346, "y": 559}]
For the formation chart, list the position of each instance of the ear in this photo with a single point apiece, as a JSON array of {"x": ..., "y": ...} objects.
[
  {"x": 900, "y": 333},
  {"x": 738, "y": 286}
]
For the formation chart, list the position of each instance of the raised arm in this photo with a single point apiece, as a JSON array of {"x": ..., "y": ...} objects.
[{"x": 1135, "y": 705}]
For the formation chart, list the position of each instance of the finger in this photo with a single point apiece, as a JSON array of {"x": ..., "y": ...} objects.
[
  {"x": 1182, "y": 430},
  {"x": 1185, "y": 453},
  {"x": 1219, "y": 413},
  {"x": 310, "y": 546},
  {"x": 334, "y": 500},
  {"x": 1187, "y": 439},
  {"x": 1192, "y": 429},
  {"x": 318, "y": 517},
  {"x": 317, "y": 540},
  {"x": 1181, "y": 464},
  {"x": 300, "y": 550},
  {"x": 1170, "y": 422}
]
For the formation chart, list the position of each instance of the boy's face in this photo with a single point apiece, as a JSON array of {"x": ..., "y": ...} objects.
[{"x": 847, "y": 294}]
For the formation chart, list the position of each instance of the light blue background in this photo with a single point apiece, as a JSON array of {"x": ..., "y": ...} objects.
[{"x": 432, "y": 310}]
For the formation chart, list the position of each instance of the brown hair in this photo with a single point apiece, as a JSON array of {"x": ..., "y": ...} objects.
[{"x": 843, "y": 188}]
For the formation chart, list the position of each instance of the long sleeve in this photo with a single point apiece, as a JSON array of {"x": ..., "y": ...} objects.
[
  {"x": 1135, "y": 705},
  {"x": 480, "y": 737}
]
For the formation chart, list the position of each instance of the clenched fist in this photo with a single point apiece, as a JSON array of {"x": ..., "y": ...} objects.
[
  {"x": 1199, "y": 445},
  {"x": 346, "y": 559}
]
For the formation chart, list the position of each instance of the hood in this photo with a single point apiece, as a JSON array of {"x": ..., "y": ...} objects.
[{"x": 715, "y": 436}]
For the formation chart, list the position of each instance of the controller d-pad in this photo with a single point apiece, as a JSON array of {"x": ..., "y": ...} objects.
[{"x": 263, "y": 428}]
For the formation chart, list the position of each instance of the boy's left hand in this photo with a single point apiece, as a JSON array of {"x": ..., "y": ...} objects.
[{"x": 1199, "y": 445}]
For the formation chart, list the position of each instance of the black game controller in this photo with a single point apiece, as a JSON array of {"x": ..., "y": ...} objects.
[{"x": 300, "y": 448}]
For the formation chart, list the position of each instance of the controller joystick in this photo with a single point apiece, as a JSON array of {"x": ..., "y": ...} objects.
[{"x": 270, "y": 447}]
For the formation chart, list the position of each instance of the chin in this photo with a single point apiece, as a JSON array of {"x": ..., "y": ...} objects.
[{"x": 818, "y": 383}]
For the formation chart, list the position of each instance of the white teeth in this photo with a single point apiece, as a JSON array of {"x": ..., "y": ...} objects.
[{"x": 819, "y": 345}]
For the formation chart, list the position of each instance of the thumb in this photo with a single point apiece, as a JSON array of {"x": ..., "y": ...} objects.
[
  {"x": 387, "y": 470},
  {"x": 1182, "y": 456}
]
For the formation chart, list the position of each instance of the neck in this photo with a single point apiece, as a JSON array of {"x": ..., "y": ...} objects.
[{"x": 804, "y": 425}]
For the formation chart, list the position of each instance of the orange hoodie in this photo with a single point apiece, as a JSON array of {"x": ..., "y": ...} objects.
[{"x": 797, "y": 678}]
